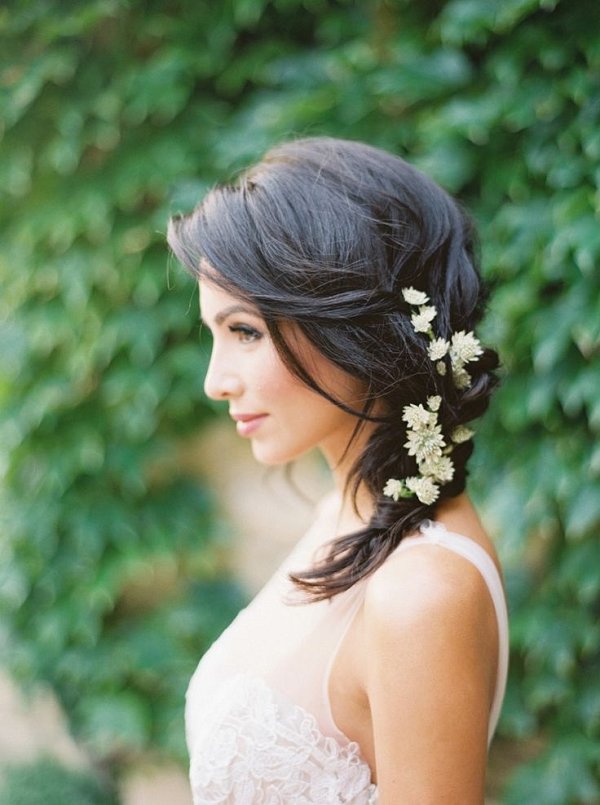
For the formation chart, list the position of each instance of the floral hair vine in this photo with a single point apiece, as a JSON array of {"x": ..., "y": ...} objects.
[{"x": 425, "y": 439}]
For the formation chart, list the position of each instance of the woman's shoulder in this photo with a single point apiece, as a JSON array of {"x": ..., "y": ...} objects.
[
  {"x": 430, "y": 642},
  {"x": 428, "y": 619},
  {"x": 426, "y": 578},
  {"x": 423, "y": 580}
]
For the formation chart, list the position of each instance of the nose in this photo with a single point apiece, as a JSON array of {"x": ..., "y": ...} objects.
[{"x": 222, "y": 381}]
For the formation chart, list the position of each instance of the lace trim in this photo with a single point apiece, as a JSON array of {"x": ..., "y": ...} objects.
[{"x": 255, "y": 746}]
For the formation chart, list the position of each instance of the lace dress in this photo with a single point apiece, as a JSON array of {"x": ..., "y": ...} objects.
[{"x": 258, "y": 719}]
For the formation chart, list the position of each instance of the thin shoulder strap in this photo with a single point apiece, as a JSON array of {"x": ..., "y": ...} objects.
[{"x": 437, "y": 534}]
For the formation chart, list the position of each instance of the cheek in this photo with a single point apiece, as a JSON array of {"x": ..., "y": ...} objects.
[
  {"x": 275, "y": 380},
  {"x": 297, "y": 405}
]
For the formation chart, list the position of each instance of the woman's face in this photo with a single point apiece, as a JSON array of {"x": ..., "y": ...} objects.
[{"x": 281, "y": 416}]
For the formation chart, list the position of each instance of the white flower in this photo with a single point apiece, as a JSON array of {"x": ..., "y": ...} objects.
[
  {"x": 461, "y": 434},
  {"x": 425, "y": 440},
  {"x": 421, "y": 321},
  {"x": 414, "y": 297},
  {"x": 439, "y": 468},
  {"x": 438, "y": 349},
  {"x": 416, "y": 417},
  {"x": 462, "y": 379},
  {"x": 433, "y": 403},
  {"x": 424, "y": 489},
  {"x": 425, "y": 443},
  {"x": 465, "y": 347},
  {"x": 394, "y": 488}
]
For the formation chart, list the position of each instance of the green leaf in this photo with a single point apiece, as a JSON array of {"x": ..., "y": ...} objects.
[{"x": 118, "y": 721}]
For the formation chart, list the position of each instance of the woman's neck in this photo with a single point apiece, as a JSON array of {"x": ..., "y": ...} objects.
[
  {"x": 352, "y": 514},
  {"x": 354, "y": 510}
]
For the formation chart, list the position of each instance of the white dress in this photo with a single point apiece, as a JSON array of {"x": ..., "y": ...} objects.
[{"x": 258, "y": 719}]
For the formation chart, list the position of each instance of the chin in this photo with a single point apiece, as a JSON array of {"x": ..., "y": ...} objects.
[{"x": 273, "y": 457}]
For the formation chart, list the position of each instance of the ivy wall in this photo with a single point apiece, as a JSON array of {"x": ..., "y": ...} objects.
[{"x": 115, "y": 114}]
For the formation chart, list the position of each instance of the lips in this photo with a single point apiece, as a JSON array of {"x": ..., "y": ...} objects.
[{"x": 248, "y": 423}]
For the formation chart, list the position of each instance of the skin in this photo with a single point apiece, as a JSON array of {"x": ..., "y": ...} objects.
[{"x": 413, "y": 680}]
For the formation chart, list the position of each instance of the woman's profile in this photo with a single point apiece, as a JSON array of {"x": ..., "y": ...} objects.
[{"x": 342, "y": 292}]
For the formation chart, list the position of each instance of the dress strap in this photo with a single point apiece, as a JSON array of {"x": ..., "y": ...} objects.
[{"x": 435, "y": 533}]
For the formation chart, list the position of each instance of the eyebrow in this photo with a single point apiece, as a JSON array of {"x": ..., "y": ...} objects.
[{"x": 238, "y": 308}]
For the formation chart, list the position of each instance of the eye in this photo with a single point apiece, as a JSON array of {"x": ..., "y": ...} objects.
[{"x": 246, "y": 334}]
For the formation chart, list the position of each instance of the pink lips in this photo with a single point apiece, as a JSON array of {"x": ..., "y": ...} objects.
[{"x": 248, "y": 423}]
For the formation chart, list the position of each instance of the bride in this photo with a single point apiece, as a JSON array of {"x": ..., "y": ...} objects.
[{"x": 341, "y": 289}]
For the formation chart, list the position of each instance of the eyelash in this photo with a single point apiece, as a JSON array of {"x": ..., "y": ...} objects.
[{"x": 247, "y": 334}]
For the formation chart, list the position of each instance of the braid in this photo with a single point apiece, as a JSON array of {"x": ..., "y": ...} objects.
[{"x": 439, "y": 443}]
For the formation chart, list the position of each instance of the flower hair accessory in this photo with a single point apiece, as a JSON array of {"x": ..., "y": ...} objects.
[{"x": 426, "y": 441}]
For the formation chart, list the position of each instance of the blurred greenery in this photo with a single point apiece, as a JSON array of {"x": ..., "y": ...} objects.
[
  {"x": 114, "y": 115},
  {"x": 46, "y": 782}
]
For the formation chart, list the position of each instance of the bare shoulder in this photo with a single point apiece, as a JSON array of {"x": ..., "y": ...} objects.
[
  {"x": 430, "y": 644},
  {"x": 423, "y": 580},
  {"x": 429, "y": 607}
]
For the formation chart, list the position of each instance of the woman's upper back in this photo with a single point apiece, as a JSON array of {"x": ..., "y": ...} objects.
[{"x": 259, "y": 717}]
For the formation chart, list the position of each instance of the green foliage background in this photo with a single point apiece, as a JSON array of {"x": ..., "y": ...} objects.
[
  {"x": 114, "y": 115},
  {"x": 45, "y": 782}
]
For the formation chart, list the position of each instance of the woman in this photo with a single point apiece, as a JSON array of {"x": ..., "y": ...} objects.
[{"x": 341, "y": 290}]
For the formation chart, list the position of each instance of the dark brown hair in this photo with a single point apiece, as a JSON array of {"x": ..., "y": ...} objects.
[{"x": 326, "y": 233}]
